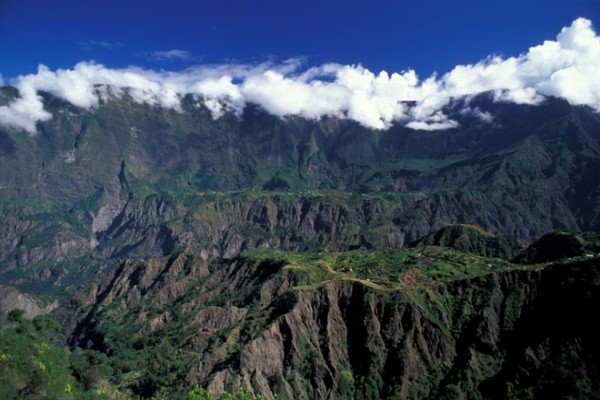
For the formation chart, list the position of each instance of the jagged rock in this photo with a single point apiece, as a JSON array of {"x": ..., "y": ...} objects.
[{"x": 252, "y": 324}]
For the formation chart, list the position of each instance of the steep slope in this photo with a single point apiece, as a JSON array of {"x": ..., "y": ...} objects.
[
  {"x": 128, "y": 179},
  {"x": 363, "y": 324},
  {"x": 559, "y": 245},
  {"x": 468, "y": 238},
  {"x": 34, "y": 364},
  {"x": 10, "y": 298}
]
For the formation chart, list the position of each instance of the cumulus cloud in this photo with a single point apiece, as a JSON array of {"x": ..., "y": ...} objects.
[
  {"x": 172, "y": 55},
  {"x": 568, "y": 67}
]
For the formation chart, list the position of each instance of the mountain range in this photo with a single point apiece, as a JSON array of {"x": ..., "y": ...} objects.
[{"x": 310, "y": 258}]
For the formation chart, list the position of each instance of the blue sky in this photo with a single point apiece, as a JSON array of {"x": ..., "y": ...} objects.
[
  {"x": 381, "y": 35},
  {"x": 377, "y": 62}
]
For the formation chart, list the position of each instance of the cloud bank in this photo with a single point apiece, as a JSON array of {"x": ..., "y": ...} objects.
[{"x": 568, "y": 67}]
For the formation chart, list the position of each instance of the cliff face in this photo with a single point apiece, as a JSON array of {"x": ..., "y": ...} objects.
[
  {"x": 11, "y": 298},
  {"x": 127, "y": 179},
  {"x": 222, "y": 225},
  {"x": 271, "y": 325}
]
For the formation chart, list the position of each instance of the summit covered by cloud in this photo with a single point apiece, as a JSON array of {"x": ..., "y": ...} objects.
[{"x": 568, "y": 67}]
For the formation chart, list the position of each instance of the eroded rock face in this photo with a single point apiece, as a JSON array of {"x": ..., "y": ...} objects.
[
  {"x": 130, "y": 180},
  {"x": 115, "y": 201},
  {"x": 247, "y": 324},
  {"x": 27, "y": 241},
  {"x": 11, "y": 298}
]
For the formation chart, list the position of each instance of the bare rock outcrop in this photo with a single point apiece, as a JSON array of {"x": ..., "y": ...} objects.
[{"x": 11, "y": 298}]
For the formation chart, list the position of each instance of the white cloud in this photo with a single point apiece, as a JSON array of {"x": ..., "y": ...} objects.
[
  {"x": 435, "y": 122},
  {"x": 171, "y": 55},
  {"x": 432, "y": 126},
  {"x": 568, "y": 67},
  {"x": 484, "y": 116},
  {"x": 25, "y": 111}
]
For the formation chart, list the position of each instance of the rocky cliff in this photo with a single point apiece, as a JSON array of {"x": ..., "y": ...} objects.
[
  {"x": 397, "y": 324},
  {"x": 127, "y": 179},
  {"x": 11, "y": 298}
]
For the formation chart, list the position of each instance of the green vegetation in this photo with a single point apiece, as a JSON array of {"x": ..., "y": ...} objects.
[
  {"x": 178, "y": 183},
  {"x": 560, "y": 245},
  {"x": 382, "y": 269},
  {"x": 34, "y": 364},
  {"x": 151, "y": 344},
  {"x": 368, "y": 189},
  {"x": 198, "y": 393},
  {"x": 155, "y": 363},
  {"x": 472, "y": 239}
]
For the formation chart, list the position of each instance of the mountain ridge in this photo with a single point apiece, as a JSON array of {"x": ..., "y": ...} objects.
[
  {"x": 130, "y": 179},
  {"x": 372, "y": 324}
]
